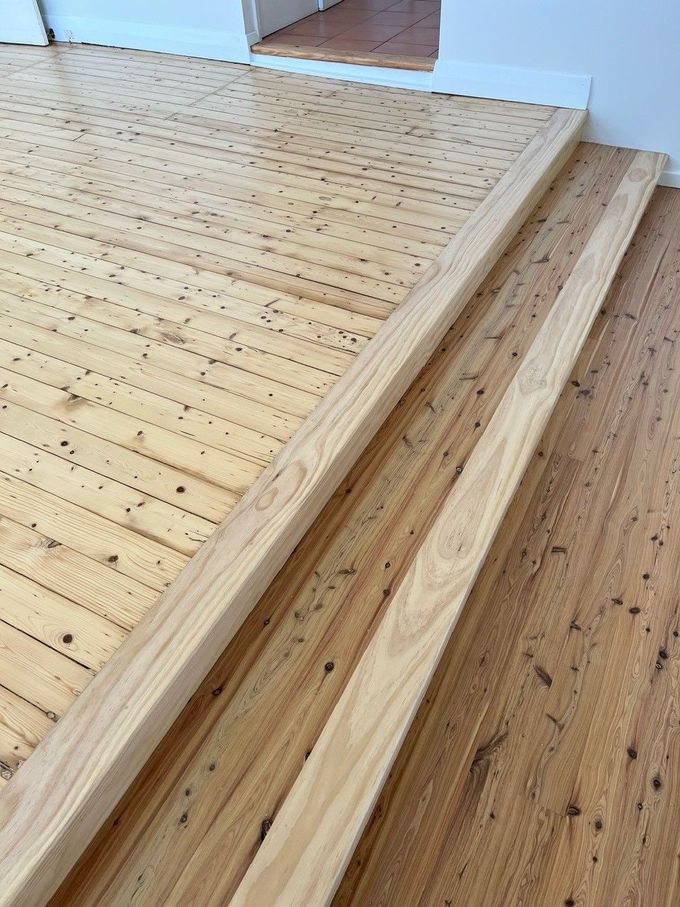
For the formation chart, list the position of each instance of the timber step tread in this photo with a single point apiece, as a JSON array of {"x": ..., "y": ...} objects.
[
  {"x": 561, "y": 624},
  {"x": 308, "y": 848}
]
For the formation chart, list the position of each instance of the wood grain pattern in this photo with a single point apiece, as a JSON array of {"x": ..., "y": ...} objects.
[
  {"x": 190, "y": 825},
  {"x": 162, "y": 335},
  {"x": 544, "y": 765},
  {"x": 100, "y": 288},
  {"x": 308, "y": 849},
  {"x": 394, "y": 61}
]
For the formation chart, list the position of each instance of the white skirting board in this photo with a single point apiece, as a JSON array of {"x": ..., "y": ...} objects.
[
  {"x": 208, "y": 43},
  {"x": 511, "y": 83},
  {"x": 670, "y": 178},
  {"x": 373, "y": 75},
  {"x": 557, "y": 89}
]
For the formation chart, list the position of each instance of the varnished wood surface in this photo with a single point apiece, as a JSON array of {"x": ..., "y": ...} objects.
[
  {"x": 356, "y": 58},
  {"x": 307, "y": 851},
  {"x": 191, "y": 254},
  {"x": 544, "y": 767},
  {"x": 190, "y": 825}
]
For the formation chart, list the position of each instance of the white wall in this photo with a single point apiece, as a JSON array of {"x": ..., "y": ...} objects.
[
  {"x": 544, "y": 51},
  {"x": 215, "y": 29}
]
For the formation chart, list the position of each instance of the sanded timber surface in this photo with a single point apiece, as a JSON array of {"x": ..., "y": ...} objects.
[
  {"x": 544, "y": 767},
  {"x": 191, "y": 824},
  {"x": 306, "y": 852},
  {"x": 191, "y": 254}
]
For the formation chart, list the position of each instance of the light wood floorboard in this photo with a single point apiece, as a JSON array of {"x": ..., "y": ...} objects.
[
  {"x": 544, "y": 766},
  {"x": 191, "y": 254}
]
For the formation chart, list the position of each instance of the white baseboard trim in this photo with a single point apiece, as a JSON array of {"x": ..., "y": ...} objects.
[
  {"x": 373, "y": 75},
  {"x": 510, "y": 83},
  {"x": 670, "y": 178},
  {"x": 190, "y": 42}
]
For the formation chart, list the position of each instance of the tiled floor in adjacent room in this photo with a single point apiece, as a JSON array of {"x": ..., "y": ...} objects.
[{"x": 391, "y": 27}]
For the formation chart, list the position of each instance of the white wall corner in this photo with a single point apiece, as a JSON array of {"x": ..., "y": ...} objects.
[
  {"x": 211, "y": 44},
  {"x": 511, "y": 83},
  {"x": 251, "y": 21}
]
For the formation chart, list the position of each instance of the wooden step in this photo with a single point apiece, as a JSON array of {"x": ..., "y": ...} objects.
[
  {"x": 327, "y": 55},
  {"x": 62, "y": 794},
  {"x": 307, "y": 850},
  {"x": 230, "y": 760}
]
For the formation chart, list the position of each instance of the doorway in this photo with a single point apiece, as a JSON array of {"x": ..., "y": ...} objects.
[{"x": 397, "y": 33}]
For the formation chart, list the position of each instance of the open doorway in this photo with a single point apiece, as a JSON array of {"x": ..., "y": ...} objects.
[{"x": 397, "y": 33}]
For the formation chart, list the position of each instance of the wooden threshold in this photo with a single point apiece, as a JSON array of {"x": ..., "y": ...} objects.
[
  {"x": 390, "y": 61},
  {"x": 55, "y": 804},
  {"x": 308, "y": 848}
]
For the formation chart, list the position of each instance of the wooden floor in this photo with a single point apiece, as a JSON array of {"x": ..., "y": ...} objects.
[
  {"x": 543, "y": 766},
  {"x": 191, "y": 254}
]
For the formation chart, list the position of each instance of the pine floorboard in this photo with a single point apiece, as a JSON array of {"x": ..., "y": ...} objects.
[{"x": 191, "y": 254}]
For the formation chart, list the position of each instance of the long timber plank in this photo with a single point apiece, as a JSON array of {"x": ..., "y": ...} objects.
[
  {"x": 526, "y": 176},
  {"x": 308, "y": 849}
]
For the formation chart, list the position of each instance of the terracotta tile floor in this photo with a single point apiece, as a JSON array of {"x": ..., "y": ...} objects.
[{"x": 400, "y": 27}]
